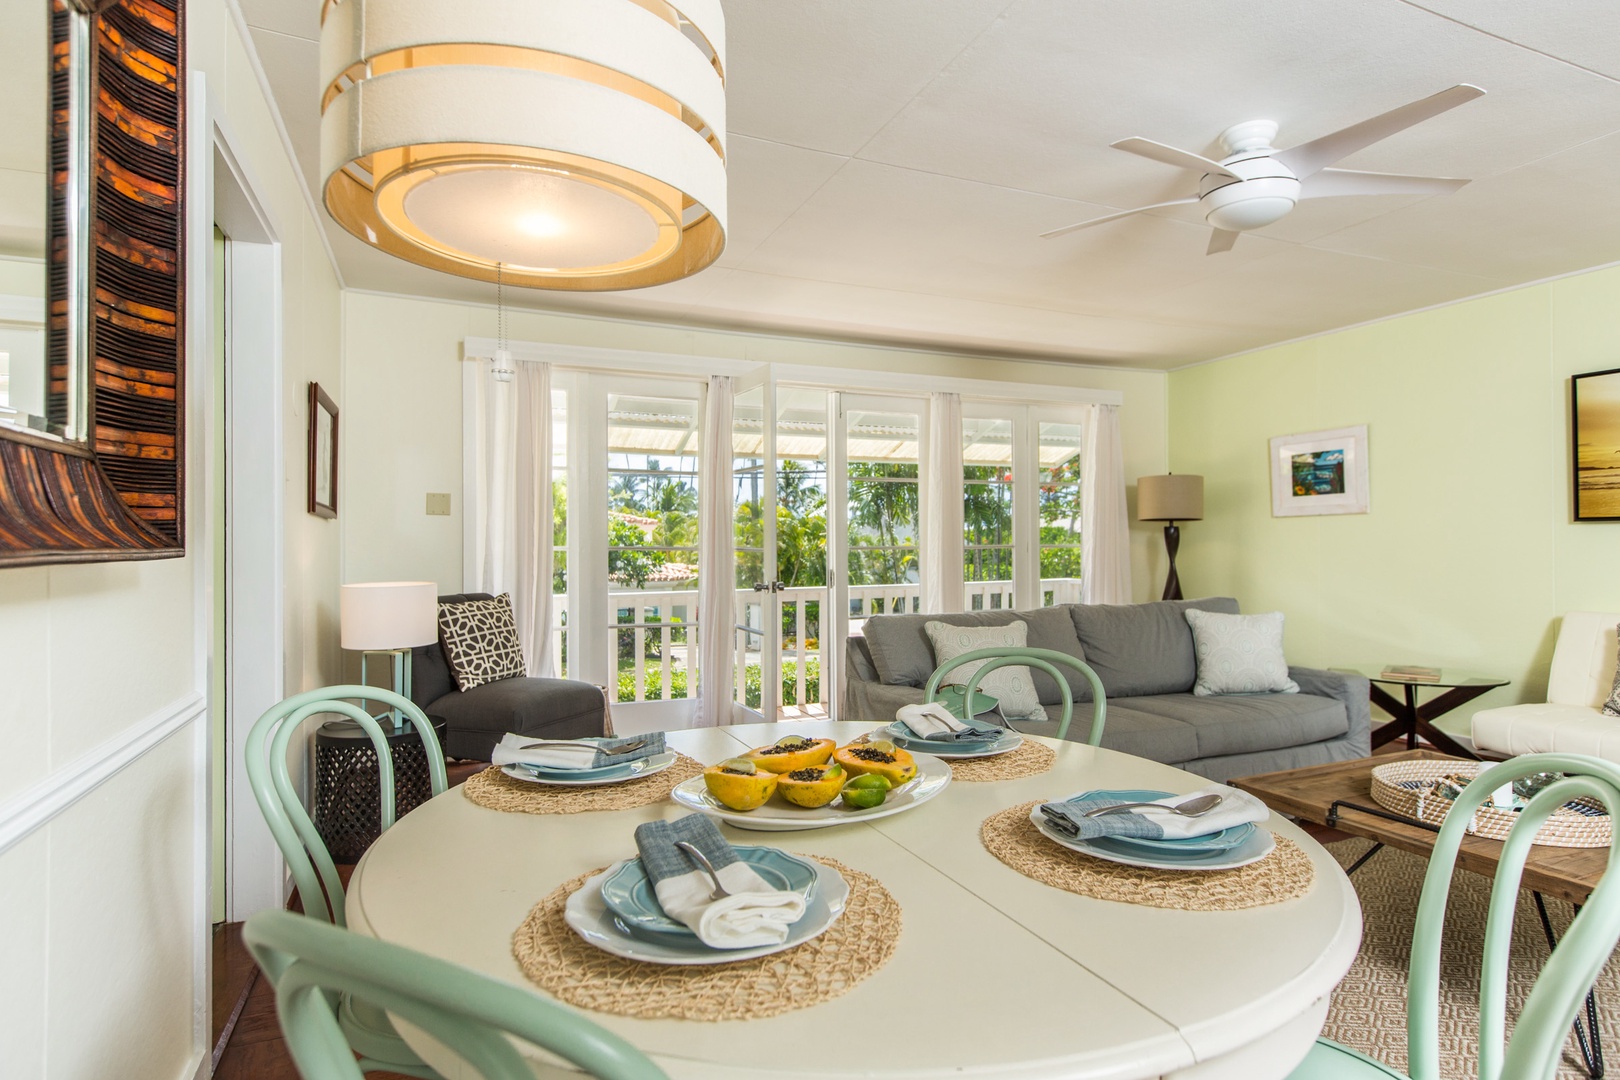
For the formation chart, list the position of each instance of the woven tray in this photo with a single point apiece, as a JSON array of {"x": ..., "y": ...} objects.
[{"x": 1408, "y": 788}]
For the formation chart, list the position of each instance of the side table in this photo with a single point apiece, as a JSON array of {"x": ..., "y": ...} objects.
[
  {"x": 348, "y": 812},
  {"x": 1411, "y": 719}
]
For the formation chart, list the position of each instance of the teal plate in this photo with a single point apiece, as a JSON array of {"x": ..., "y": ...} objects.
[
  {"x": 902, "y": 735},
  {"x": 1191, "y": 847},
  {"x": 628, "y": 892},
  {"x": 601, "y": 772}
]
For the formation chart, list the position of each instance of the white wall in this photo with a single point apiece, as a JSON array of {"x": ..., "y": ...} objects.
[
  {"x": 103, "y": 775},
  {"x": 402, "y": 423}
]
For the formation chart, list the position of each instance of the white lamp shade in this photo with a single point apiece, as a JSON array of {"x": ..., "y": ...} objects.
[
  {"x": 389, "y": 614},
  {"x": 1177, "y": 497}
]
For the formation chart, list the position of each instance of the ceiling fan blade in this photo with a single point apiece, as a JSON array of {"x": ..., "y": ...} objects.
[
  {"x": 1181, "y": 159},
  {"x": 1115, "y": 217},
  {"x": 1221, "y": 240},
  {"x": 1311, "y": 157},
  {"x": 1330, "y": 182}
]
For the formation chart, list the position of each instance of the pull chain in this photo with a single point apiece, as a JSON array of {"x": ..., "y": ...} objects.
[{"x": 502, "y": 370}]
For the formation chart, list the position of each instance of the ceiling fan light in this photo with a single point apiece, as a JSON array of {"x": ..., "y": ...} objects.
[
  {"x": 581, "y": 146},
  {"x": 1250, "y": 204}
]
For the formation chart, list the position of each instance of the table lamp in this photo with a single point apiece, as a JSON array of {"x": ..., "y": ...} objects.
[
  {"x": 389, "y": 617},
  {"x": 1170, "y": 499}
]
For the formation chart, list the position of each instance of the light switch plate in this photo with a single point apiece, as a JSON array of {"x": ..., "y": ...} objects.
[{"x": 438, "y": 504}]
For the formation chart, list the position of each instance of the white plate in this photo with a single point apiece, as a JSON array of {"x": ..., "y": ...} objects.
[
  {"x": 1251, "y": 850},
  {"x": 1010, "y": 740},
  {"x": 590, "y": 918},
  {"x": 779, "y": 816},
  {"x": 646, "y": 766}
]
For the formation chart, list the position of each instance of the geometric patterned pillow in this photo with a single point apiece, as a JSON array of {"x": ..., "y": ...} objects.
[
  {"x": 481, "y": 640},
  {"x": 1612, "y": 706}
]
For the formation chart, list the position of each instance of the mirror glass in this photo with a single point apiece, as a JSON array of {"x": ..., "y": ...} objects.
[{"x": 34, "y": 397}]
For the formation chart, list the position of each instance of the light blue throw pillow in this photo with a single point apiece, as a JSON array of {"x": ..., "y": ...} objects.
[{"x": 1239, "y": 654}]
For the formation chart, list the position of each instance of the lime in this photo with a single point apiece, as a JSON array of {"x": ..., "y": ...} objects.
[{"x": 866, "y": 791}]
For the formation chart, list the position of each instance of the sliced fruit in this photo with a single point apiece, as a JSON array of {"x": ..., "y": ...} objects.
[
  {"x": 894, "y": 764},
  {"x": 739, "y": 790},
  {"x": 815, "y": 785},
  {"x": 790, "y": 753},
  {"x": 866, "y": 791}
]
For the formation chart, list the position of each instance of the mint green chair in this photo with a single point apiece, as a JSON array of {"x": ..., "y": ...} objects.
[
  {"x": 471, "y": 1014},
  {"x": 1045, "y": 659},
  {"x": 313, "y": 872},
  {"x": 1538, "y": 1036}
]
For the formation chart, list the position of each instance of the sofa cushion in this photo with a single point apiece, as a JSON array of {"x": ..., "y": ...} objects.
[
  {"x": 903, "y": 655},
  {"x": 1128, "y": 730},
  {"x": 1011, "y": 686},
  {"x": 480, "y": 641},
  {"x": 550, "y": 708},
  {"x": 1247, "y": 723},
  {"x": 1140, "y": 649}
]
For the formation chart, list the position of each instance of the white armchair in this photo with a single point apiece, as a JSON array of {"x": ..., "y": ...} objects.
[{"x": 1571, "y": 721}]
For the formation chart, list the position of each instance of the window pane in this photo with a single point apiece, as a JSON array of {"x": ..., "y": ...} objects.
[
  {"x": 559, "y": 530},
  {"x": 987, "y": 508},
  {"x": 882, "y": 450},
  {"x": 1060, "y": 511}
]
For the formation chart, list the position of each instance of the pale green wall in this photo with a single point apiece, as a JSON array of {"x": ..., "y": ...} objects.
[{"x": 1468, "y": 554}]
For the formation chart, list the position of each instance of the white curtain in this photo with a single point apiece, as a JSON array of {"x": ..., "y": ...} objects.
[
  {"x": 1105, "y": 561},
  {"x": 716, "y": 557},
  {"x": 942, "y": 506},
  {"x": 508, "y": 498}
]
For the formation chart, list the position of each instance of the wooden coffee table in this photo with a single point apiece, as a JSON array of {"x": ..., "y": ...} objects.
[{"x": 1339, "y": 796}]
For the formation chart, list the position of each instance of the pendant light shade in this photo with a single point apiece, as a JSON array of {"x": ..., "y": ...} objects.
[{"x": 579, "y": 144}]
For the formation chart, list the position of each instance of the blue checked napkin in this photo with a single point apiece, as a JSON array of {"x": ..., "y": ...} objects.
[
  {"x": 572, "y": 754},
  {"x": 935, "y": 722},
  {"x": 754, "y": 913},
  {"x": 1237, "y": 807}
]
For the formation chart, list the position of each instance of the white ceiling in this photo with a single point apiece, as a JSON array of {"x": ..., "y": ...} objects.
[{"x": 892, "y": 163}]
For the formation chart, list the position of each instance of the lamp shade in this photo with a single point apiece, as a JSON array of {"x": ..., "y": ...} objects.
[
  {"x": 1170, "y": 498},
  {"x": 389, "y": 614}
]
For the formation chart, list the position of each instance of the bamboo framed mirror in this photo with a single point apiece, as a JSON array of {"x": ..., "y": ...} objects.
[{"x": 92, "y": 284}]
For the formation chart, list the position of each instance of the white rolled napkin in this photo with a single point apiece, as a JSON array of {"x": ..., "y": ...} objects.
[
  {"x": 753, "y": 914},
  {"x": 934, "y": 721},
  {"x": 571, "y": 754}
]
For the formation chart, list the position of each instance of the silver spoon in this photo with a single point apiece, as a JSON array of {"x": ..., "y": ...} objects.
[
  {"x": 702, "y": 860},
  {"x": 1196, "y": 807}
]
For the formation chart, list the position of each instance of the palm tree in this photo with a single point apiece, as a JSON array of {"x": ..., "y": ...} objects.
[{"x": 879, "y": 503}]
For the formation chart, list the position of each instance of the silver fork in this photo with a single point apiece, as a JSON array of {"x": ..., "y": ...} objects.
[
  {"x": 615, "y": 752},
  {"x": 702, "y": 860}
]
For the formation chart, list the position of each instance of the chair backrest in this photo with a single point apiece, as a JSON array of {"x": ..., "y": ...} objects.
[
  {"x": 1048, "y": 661},
  {"x": 306, "y": 961},
  {"x": 1538, "y": 1035},
  {"x": 313, "y": 871},
  {"x": 1584, "y": 659}
]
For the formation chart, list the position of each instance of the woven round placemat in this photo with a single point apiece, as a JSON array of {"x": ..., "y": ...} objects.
[
  {"x": 1030, "y": 759},
  {"x": 559, "y": 961},
  {"x": 1285, "y": 874},
  {"x": 497, "y": 791}
]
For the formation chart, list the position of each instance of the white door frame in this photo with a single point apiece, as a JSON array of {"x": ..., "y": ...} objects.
[{"x": 224, "y": 191}]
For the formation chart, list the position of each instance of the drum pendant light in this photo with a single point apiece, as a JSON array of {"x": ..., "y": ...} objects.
[{"x": 575, "y": 144}]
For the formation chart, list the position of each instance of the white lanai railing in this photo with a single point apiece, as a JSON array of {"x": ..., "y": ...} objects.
[{"x": 651, "y": 622}]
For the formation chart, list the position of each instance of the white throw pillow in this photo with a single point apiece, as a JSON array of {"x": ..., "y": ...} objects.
[
  {"x": 1012, "y": 685},
  {"x": 1239, "y": 654}
]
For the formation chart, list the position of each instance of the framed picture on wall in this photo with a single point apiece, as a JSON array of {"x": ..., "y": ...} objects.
[
  {"x": 1319, "y": 472},
  {"x": 1594, "y": 438},
  {"x": 323, "y": 453}
]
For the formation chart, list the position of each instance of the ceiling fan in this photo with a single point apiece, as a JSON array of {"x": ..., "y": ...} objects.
[{"x": 1255, "y": 185}]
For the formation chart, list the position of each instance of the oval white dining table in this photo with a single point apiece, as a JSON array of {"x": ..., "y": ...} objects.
[{"x": 996, "y": 975}]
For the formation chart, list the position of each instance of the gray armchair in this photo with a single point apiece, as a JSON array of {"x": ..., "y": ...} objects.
[{"x": 476, "y": 719}]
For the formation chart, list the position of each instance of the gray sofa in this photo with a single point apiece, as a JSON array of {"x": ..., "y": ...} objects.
[
  {"x": 476, "y": 719},
  {"x": 1143, "y": 654}
]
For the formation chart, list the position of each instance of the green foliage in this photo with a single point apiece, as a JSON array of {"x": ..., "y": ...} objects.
[
  {"x": 626, "y": 564},
  {"x": 653, "y": 683}
]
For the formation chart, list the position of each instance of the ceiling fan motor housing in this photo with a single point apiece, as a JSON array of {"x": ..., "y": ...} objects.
[{"x": 1268, "y": 190}]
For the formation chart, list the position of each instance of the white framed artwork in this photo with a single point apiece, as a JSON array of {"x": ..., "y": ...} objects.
[{"x": 1319, "y": 472}]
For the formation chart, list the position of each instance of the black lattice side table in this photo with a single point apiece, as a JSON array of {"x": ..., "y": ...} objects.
[{"x": 347, "y": 800}]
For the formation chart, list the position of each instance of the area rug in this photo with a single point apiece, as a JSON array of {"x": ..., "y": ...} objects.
[{"x": 1368, "y": 1011}]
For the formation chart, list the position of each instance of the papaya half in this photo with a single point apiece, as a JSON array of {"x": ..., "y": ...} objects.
[
  {"x": 737, "y": 789},
  {"x": 815, "y": 785},
  {"x": 882, "y": 758},
  {"x": 790, "y": 753}
]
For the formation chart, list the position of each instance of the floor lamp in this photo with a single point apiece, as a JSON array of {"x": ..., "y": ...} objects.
[
  {"x": 389, "y": 617},
  {"x": 1170, "y": 499}
]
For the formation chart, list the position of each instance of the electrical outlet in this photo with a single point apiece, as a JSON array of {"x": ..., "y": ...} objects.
[{"x": 438, "y": 504}]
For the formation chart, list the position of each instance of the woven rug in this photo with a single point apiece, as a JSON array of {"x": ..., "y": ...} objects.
[
  {"x": 862, "y": 940},
  {"x": 1368, "y": 1011},
  {"x": 1030, "y": 759},
  {"x": 495, "y": 790}
]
